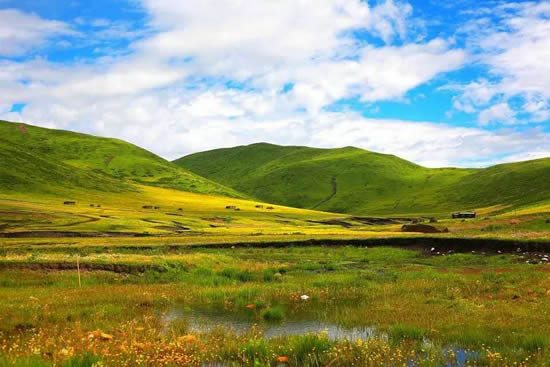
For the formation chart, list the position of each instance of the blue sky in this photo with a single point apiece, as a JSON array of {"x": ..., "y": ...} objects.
[{"x": 465, "y": 83}]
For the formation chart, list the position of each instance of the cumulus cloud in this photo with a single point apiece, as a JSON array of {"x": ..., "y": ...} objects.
[
  {"x": 307, "y": 43},
  {"x": 222, "y": 73},
  {"x": 515, "y": 47},
  {"x": 174, "y": 123},
  {"x": 20, "y": 32},
  {"x": 497, "y": 113}
]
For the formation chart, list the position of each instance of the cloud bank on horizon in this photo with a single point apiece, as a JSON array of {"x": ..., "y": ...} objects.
[{"x": 464, "y": 84}]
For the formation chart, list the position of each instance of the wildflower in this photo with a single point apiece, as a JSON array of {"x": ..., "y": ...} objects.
[
  {"x": 304, "y": 297},
  {"x": 139, "y": 345},
  {"x": 187, "y": 339},
  {"x": 282, "y": 359},
  {"x": 250, "y": 306},
  {"x": 94, "y": 334}
]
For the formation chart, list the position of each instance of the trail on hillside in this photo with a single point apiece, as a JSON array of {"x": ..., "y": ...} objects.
[{"x": 334, "y": 191}]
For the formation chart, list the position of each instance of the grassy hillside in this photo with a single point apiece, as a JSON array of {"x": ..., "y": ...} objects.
[
  {"x": 353, "y": 180},
  {"x": 44, "y": 160}
]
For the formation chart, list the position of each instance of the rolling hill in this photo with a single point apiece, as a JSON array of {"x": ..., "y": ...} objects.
[
  {"x": 352, "y": 180},
  {"x": 34, "y": 159}
]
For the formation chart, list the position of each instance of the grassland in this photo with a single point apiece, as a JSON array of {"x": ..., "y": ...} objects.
[
  {"x": 45, "y": 161},
  {"x": 140, "y": 271},
  {"x": 146, "y": 274},
  {"x": 352, "y": 180},
  {"x": 462, "y": 309}
]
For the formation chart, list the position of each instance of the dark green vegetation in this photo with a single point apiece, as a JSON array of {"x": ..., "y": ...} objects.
[
  {"x": 38, "y": 160},
  {"x": 352, "y": 180}
]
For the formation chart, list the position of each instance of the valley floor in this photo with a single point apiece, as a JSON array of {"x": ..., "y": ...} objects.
[{"x": 192, "y": 283}]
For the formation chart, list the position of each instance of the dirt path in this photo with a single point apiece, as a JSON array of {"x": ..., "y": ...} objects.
[
  {"x": 88, "y": 220},
  {"x": 334, "y": 191}
]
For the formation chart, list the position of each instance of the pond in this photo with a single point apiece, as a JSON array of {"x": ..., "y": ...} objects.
[{"x": 299, "y": 322}]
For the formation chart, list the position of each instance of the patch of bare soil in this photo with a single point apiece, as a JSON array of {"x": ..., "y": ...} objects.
[
  {"x": 332, "y": 222},
  {"x": 29, "y": 214},
  {"x": 374, "y": 221},
  {"x": 215, "y": 219},
  {"x": 177, "y": 229},
  {"x": 59, "y": 234},
  {"x": 88, "y": 220},
  {"x": 55, "y": 266},
  {"x": 150, "y": 221},
  {"x": 422, "y": 228}
]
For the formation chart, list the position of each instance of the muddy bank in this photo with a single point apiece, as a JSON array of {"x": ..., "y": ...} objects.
[
  {"x": 426, "y": 244},
  {"x": 58, "y": 234},
  {"x": 55, "y": 266}
]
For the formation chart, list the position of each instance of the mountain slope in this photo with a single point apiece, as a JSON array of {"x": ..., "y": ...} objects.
[
  {"x": 41, "y": 160},
  {"x": 357, "y": 181}
]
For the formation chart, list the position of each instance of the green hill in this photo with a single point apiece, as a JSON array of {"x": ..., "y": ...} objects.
[
  {"x": 357, "y": 181},
  {"x": 45, "y": 160}
]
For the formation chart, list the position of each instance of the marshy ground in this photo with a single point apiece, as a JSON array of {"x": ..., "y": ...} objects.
[
  {"x": 195, "y": 284},
  {"x": 245, "y": 306}
]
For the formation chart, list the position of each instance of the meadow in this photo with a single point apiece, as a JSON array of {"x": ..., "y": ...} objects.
[
  {"x": 193, "y": 283},
  {"x": 353, "y": 180},
  {"x": 364, "y": 306},
  {"x": 112, "y": 256}
]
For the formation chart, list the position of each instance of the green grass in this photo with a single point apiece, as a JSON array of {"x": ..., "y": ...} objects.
[
  {"x": 38, "y": 160},
  {"x": 417, "y": 305},
  {"x": 352, "y": 180}
]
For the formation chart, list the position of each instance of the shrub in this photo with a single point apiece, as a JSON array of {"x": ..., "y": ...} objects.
[
  {"x": 242, "y": 276},
  {"x": 274, "y": 313},
  {"x": 269, "y": 275}
]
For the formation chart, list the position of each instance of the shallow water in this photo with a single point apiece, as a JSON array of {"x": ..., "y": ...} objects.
[
  {"x": 203, "y": 321},
  {"x": 301, "y": 323}
]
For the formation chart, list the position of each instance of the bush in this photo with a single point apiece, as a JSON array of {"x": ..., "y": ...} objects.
[
  {"x": 269, "y": 275},
  {"x": 274, "y": 313},
  {"x": 242, "y": 276}
]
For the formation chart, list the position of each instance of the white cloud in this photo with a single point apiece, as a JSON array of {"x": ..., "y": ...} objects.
[
  {"x": 428, "y": 143},
  {"x": 497, "y": 113},
  {"x": 174, "y": 123},
  {"x": 269, "y": 44},
  {"x": 515, "y": 48},
  {"x": 377, "y": 74},
  {"x": 20, "y": 32},
  {"x": 168, "y": 92},
  {"x": 389, "y": 19}
]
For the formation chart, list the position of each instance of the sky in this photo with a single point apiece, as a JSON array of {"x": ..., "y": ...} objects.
[{"x": 441, "y": 83}]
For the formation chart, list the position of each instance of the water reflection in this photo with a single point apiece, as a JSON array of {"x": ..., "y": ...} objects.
[
  {"x": 299, "y": 323},
  {"x": 203, "y": 321}
]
